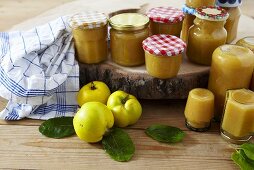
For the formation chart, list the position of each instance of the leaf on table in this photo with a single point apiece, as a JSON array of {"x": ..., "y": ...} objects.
[
  {"x": 57, "y": 127},
  {"x": 165, "y": 134},
  {"x": 242, "y": 161},
  {"x": 248, "y": 149},
  {"x": 118, "y": 145}
]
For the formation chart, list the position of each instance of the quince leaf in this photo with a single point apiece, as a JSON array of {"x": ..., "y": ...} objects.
[
  {"x": 242, "y": 160},
  {"x": 248, "y": 149},
  {"x": 165, "y": 134},
  {"x": 57, "y": 127},
  {"x": 118, "y": 145}
]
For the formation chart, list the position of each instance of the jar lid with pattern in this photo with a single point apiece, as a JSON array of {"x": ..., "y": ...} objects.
[
  {"x": 88, "y": 20},
  {"x": 164, "y": 45},
  {"x": 129, "y": 21},
  {"x": 212, "y": 13},
  {"x": 228, "y": 3},
  {"x": 188, "y": 10},
  {"x": 165, "y": 15}
]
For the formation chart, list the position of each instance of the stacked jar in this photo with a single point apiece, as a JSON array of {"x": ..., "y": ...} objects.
[
  {"x": 90, "y": 32},
  {"x": 231, "y": 68},
  {"x": 165, "y": 20},
  {"x": 189, "y": 14},
  {"x": 232, "y": 7},
  {"x": 206, "y": 34},
  {"x": 126, "y": 36}
]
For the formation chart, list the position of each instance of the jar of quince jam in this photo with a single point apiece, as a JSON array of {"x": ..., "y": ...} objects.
[
  {"x": 165, "y": 20},
  {"x": 231, "y": 68},
  {"x": 199, "y": 3},
  {"x": 126, "y": 36},
  {"x": 90, "y": 36},
  {"x": 189, "y": 16},
  {"x": 206, "y": 34},
  {"x": 163, "y": 54},
  {"x": 232, "y": 7},
  {"x": 248, "y": 42}
]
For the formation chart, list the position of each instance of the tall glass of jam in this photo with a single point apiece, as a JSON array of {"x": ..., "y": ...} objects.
[
  {"x": 206, "y": 34},
  {"x": 126, "y": 36},
  {"x": 232, "y": 7},
  {"x": 231, "y": 68},
  {"x": 90, "y": 36}
]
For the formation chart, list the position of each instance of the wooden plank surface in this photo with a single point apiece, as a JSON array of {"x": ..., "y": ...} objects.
[{"x": 23, "y": 147}]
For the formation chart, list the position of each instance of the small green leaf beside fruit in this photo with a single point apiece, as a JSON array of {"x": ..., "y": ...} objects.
[
  {"x": 165, "y": 134},
  {"x": 57, "y": 127},
  {"x": 118, "y": 145},
  {"x": 243, "y": 156}
]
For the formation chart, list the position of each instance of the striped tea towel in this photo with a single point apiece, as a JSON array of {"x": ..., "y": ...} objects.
[{"x": 38, "y": 72}]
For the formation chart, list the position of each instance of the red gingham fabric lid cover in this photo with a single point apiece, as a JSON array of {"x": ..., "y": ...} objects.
[
  {"x": 164, "y": 45},
  {"x": 165, "y": 15}
]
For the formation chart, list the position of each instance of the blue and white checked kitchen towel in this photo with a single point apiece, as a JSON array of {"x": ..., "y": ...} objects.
[{"x": 38, "y": 72}]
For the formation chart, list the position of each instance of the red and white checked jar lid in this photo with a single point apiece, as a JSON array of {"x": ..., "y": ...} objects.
[
  {"x": 88, "y": 20},
  {"x": 165, "y": 15},
  {"x": 164, "y": 45}
]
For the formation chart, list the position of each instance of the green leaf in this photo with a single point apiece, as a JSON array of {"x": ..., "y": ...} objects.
[
  {"x": 164, "y": 133},
  {"x": 57, "y": 127},
  {"x": 248, "y": 149},
  {"x": 242, "y": 161},
  {"x": 118, "y": 145}
]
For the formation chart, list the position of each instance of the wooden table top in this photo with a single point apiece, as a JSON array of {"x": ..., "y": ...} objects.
[{"x": 22, "y": 146}]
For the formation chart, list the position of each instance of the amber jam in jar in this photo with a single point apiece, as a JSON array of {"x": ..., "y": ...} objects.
[
  {"x": 90, "y": 37},
  {"x": 232, "y": 7},
  {"x": 248, "y": 42},
  {"x": 199, "y": 109},
  {"x": 165, "y": 20},
  {"x": 231, "y": 68},
  {"x": 126, "y": 36},
  {"x": 199, "y": 3},
  {"x": 189, "y": 16},
  {"x": 206, "y": 34},
  {"x": 238, "y": 117},
  {"x": 163, "y": 55}
]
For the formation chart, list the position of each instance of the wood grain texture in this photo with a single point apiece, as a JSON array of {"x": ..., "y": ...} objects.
[{"x": 24, "y": 147}]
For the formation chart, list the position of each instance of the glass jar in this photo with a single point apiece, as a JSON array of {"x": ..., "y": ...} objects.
[
  {"x": 231, "y": 68},
  {"x": 199, "y": 3},
  {"x": 189, "y": 16},
  {"x": 206, "y": 34},
  {"x": 163, "y": 55},
  {"x": 248, "y": 42},
  {"x": 232, "y": 23},
  {"x": 199, "y": 109},
  {"x": 238, "y": 118},
  {"x": 126, "y": 36},
  {"x": 90, "y": 37},
  {"x": 165, "y": 20}
]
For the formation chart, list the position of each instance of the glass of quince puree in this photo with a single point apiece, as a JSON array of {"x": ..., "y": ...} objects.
[
  {"x": 238, "y": 118},
  {"x": 199, "y": 109}
]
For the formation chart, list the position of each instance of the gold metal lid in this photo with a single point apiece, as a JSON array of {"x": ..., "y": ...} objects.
[{"x": 129, "y": 21}]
